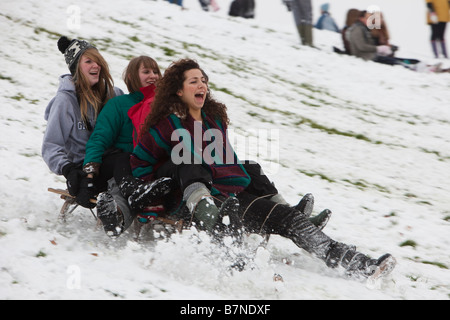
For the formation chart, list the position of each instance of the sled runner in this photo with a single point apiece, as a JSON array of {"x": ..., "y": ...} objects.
[{"x": 70, "y": 205}]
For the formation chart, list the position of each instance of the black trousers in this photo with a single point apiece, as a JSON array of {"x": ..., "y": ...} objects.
[
  {"x": 115, "y": 164},
  {"x": 258, "y": 214},
  {"x": 438, "y": 31},
  {"x": 262, "y": 216}
]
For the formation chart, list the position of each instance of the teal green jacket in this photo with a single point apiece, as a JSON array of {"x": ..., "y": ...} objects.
[{"x": 113, "y": 128}]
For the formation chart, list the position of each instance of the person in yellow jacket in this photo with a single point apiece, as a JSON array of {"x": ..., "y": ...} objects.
[{"x": 437, "y": 17}]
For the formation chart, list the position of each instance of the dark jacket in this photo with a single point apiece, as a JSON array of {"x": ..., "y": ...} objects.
[{"x": 361, "y": 41}]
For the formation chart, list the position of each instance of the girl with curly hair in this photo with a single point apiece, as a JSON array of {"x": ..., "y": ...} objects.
[{"x": 182, "y": 108}]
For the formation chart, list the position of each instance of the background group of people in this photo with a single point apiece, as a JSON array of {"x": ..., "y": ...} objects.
[
  {"x": 238, "y": 8},
  {"x": 375, "y": 43},
  {"x": 365, "y": 34},
  {"x": 438, "y": 14}
]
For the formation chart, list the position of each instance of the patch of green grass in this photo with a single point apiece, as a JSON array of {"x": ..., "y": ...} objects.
[
  {"x": 437, "y": 264},
  {"x": 362, "y": 184},
  {"x": 41, "y": 254},
  {"x": 169, "y": 51},
  {"x": 391, "y": 214},
  {"x": 53, "y": 34},
  {"x": 2, "y": 77},
  {"x": 436, "y": 153},
  {"x": 410, "y": 195},
  {"x": 125, "y": 23},
  {"x": 425, "y": 202},
  {"x": 316, "y": 174},
  {"x": 134, "y": 39},
  {"x": 334, "y": 131},
  {"x": 410, "y": 243},
  {"x": 413, "y": 278},
  {"x": 21, "y": 96}
]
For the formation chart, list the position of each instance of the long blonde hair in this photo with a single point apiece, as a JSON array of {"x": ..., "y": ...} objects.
[{"x": 98, "y": 94}]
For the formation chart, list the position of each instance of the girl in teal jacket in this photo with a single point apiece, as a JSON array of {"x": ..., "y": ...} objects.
[{"x": 108, "y": 150}]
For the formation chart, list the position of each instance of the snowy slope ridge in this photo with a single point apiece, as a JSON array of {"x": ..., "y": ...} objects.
[{"x": 371, "y": 142}]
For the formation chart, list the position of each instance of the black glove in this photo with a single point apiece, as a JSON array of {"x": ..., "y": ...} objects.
[
  {"x": 87, "y": 191},
  {"x": 73, "y": 175}
]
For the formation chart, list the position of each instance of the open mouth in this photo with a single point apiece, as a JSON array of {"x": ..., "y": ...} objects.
[
  {"x": 94, "y": 73},
  {"x": 199, "y": 97}
]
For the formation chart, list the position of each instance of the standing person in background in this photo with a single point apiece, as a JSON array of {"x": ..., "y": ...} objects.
[
  {"x": 302, "y": 10},
  {"x": 326, "y": 22},
  {"x": 437, "y": 17},
  {"x": 71, "y": 115}
]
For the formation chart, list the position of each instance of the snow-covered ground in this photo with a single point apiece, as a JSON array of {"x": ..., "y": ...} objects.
[{"x": 371, "y": 142}]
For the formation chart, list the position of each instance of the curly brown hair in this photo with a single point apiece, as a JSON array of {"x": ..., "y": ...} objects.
[{"x": 167, "y": 101}]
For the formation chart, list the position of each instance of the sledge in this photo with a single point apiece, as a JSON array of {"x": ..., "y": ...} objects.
[{"x": 70, "y": 205}]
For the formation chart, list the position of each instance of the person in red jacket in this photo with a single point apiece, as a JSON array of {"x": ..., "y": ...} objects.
[{"x": 141, "y": 75}]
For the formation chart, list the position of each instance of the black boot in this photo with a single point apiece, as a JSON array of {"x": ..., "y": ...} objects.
[
  {"x": 128, "y": 185},
  {"x": 321, "y": 220},
  {"x": 141, "y": 194},
  {"x": 308, "y": 237},
  {"x": 109, "y": 214},
  {"x": 306, "y": 205},
  {"x": 356, "y": 263},
  {"x": 233, "y": 227}
]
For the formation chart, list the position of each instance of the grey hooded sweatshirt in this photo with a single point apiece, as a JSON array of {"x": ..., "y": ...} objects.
[{"x": 66, "y": 134}]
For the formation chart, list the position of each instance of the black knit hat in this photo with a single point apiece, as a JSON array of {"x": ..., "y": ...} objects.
[{"x": 72, "y": 50}]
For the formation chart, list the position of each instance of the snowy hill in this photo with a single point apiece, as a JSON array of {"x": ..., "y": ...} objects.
[{"x": 371, "y": 142}]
